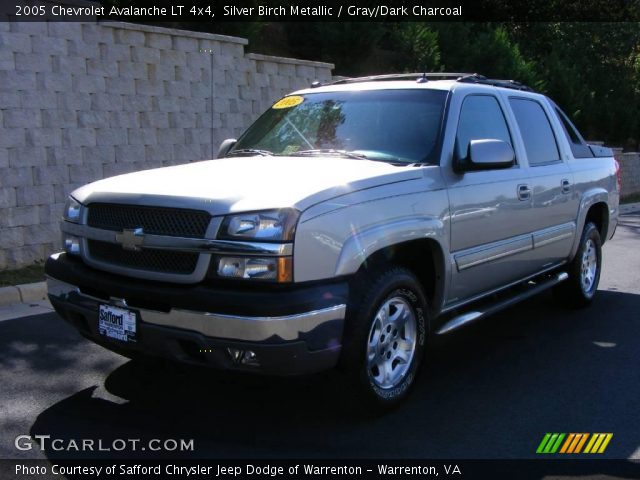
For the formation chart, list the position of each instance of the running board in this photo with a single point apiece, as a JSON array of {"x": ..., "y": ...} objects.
[{"x": 468, "y": 317}]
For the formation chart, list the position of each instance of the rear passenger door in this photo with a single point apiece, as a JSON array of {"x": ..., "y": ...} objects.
[{"x": 555, "y": 203}]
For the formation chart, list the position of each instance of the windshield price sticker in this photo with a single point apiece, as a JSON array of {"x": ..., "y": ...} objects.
[{"x": 288, "y": 102}]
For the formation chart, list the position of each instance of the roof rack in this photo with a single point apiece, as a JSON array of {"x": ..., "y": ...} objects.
[
  {"x": 420, "y": 77},
  {"x": 425, "y": 77},
  {"x": 475, "y": 78}
]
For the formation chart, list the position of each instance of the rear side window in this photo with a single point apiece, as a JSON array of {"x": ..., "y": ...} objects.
[
  {"x": 537, "y": 135},
  {"x": 579, "y": 148},
  {"x": 480, "y": 118}
]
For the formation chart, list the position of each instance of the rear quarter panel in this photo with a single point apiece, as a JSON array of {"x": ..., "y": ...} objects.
[{"x": 595, "y": 181}]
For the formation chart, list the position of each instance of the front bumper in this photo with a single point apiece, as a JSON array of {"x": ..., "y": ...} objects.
[{"x": 295, "y": 330}]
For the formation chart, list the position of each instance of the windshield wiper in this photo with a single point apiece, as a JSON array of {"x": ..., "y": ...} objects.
[
  {"x": 331, "y": 151},
  {"x": 250, "y": 151},
  {"x": 349, "y": 154}
]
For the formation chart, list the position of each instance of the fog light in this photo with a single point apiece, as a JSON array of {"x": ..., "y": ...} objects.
[
  {"x": 71, "y": 245},
  {"x": 250, "y": 358},
  {"x": 250, "y": 267},
  {"x": 231, "y": 267},
  {"x": 235, "y": 354},
  {"x": 259, "y": 268},
  {"x": 245, "y": 357}
]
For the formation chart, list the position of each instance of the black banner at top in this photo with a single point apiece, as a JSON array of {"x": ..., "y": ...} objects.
[{"x": 148, "y": 11}]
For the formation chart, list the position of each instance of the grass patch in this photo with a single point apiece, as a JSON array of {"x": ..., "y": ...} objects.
[
  {"x": 30, "y": 274},
  {"x": 630, "y": 198}
]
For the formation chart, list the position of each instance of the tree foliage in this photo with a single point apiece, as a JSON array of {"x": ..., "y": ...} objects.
[{"x": 591, "y": 69}]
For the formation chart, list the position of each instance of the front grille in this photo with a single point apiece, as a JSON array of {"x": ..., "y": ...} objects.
[
  {"x": 175, "y": 222},
  {"x": 162, "y": 261}
]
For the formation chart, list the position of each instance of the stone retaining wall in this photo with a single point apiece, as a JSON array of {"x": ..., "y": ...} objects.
[
  {"x": 80, "y": 101},
  {"x": 630, "y": 172}
]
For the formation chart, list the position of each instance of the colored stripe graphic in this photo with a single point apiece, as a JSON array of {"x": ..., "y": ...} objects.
[
  {"x": 605, "y": 443},
  {"x": 583, "y": 439},
  {"x": 550, "y": 443},
  {"x": 598, "y": 442},
  {"x": 567, "y": 443},
  {"x": 596, "y": 445},
  {"x": 573, "y": 443},
  {"x": 544, "y": 441},
  {"x": 556, "y": 445},
  {"x": 591, "y": 442}
]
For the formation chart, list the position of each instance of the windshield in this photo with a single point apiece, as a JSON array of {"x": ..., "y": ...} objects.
[{"x": 399, "y": 126}]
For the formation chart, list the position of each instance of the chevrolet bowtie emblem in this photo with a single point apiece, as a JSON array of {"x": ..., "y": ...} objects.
[{"x": 131, "y": 238}]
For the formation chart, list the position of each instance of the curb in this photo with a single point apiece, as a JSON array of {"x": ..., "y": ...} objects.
[
  {"x": 629, "y": 208},
  {"x": 25, "y": 293}
]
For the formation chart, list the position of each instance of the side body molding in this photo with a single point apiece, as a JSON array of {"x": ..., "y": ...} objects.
[
  {"x": 358, "y": 247},
  {"x": 495, "y": 251}
]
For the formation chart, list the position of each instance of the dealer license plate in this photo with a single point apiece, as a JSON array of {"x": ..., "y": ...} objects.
[{"x": 118, "y": 323}]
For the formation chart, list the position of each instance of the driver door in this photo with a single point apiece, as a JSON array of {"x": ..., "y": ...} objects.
[{"x": 489, "y": 209}]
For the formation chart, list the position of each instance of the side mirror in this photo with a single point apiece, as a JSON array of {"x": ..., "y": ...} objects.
[
  {"x": 225, "y": 146},
  {"x": 486, "y": 154}
]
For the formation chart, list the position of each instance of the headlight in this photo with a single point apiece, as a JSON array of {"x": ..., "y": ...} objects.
[
  {"x": 269, "y": 225},
  {"x": 72, "y": 210}
]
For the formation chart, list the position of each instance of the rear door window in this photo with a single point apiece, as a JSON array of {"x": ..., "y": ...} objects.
[{"x": 537, "y": 134}]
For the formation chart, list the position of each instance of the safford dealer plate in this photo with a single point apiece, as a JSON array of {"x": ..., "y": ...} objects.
[{"x": 118, "y": 323}]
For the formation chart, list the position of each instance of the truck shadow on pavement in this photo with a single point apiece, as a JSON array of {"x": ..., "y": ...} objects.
[{"x": 490, "y": 390}]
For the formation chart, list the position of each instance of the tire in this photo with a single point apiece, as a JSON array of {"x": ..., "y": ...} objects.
[
  {"x": 584, "y": 271},
  {"x": 384, "y": 337}
]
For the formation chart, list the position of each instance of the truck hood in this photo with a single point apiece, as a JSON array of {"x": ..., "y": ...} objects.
[{"x": 245, "y": 183}]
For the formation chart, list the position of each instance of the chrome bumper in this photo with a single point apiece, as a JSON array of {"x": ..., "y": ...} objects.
[{"x": 209, "y": 324}]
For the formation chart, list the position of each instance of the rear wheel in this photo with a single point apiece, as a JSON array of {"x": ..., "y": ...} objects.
[
  {"x": 385, "y": 337},
  {"x": 584, "y": 270}
]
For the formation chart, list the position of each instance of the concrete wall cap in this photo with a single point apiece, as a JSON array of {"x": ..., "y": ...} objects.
[
  {"x": 292, "y": 61},
  {"x": 173, "y": 31}
]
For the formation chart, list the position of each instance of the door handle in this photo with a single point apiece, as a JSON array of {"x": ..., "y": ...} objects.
[
  {"x": 524, "y": 192},
  {"x": 566, "y": 185}
]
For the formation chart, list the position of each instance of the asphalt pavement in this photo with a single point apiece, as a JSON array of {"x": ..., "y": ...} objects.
[{"x": 491, "y": 390}]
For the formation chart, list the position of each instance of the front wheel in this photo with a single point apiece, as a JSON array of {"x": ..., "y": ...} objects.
[
  {"x": 584, "y": 270},
  {"x": 385, "y": 337}
]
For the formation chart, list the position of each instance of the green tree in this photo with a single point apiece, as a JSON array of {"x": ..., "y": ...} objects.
[
  {"x": 589, "y": 70},
  {"x": 349, "y": 45},
  {"x": 486, "y": 49},
  {"x": 419, "y": 48}
]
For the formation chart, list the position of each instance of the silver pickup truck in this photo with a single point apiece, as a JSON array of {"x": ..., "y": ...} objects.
[{"x": 349, "y": 223}]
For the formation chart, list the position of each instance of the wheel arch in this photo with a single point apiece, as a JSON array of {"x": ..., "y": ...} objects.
[
  {"x": 598, "y": 214},
  {"x": 594, "y": 207},
  {"x": 413, "y": 244}
]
